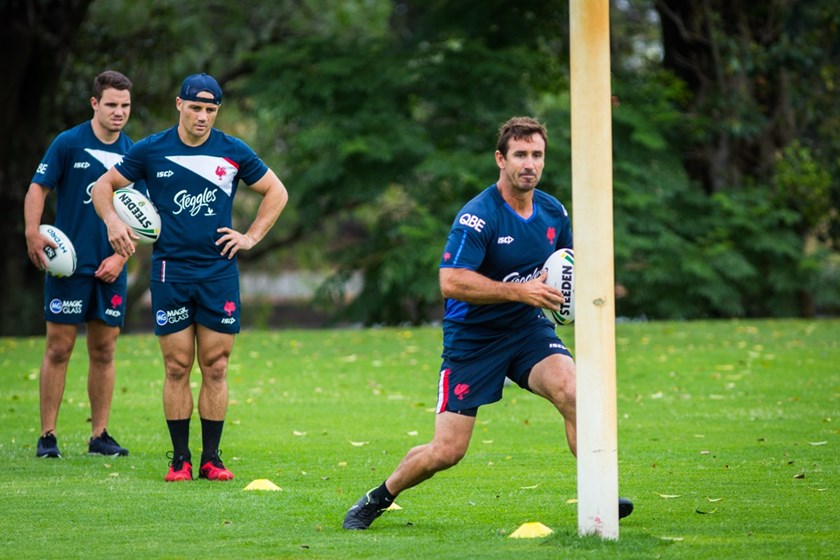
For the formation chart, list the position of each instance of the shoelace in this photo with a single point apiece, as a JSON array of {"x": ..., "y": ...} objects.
[
  {"x": 371, "y": 509},
  {"x": 216, "y": 460},
  {"x": 176, "y": 464},
  {"x": 106, "y": 437}
]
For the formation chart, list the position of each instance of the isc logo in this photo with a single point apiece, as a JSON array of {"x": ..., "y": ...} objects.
[
  {"x": 471, "y": 221},
  {"x": 167, "y": 173}
]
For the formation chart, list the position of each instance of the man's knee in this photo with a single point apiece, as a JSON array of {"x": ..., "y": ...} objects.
[
  {"x": 59, "y": 352},
  {"x": 214, "y": 368},
  {"x": 447, "y": 456},
  {"x": 177, "y": 368}
]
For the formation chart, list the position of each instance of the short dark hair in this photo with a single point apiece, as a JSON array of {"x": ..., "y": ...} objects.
[
  {"x": 519, "y": 128},
  {"x": 110, "y": 79}
]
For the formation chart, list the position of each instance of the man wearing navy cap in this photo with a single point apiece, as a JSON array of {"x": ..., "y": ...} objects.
[
  {"x": 192, "y": 172},
  {"x": 201, "y": 83}
]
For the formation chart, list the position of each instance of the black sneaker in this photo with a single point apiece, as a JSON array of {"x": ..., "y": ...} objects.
[
  {"x": 106, "y": 445},
  {"x": 48, "y": 447},
  {"x": 363, "y": 512},
  {"x": 625, "y": 507}
]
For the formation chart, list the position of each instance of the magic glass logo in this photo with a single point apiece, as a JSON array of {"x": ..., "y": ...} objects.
[
  {"x": 171, "y": 316},
  {"x": 66, "y": 307}
]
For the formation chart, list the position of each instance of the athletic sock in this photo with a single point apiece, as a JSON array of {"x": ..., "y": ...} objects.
[
  {"x": 211, "y": 436},
  {"x": 179, "y": 432},
  {"x": 382, "y": 495}
]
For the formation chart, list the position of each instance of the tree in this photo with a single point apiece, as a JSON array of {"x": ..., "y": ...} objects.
[
  {"x": 34, "y": 44},
  {"x": 380, "y": 116},
  {"x": 390, "y": 127},
  {"x": 759, "y": 122}
]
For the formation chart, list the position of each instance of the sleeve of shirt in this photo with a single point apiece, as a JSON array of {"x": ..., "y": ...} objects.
[
  {"x": 51, "y": 168},
  {"x": 132, "y": 166},
  {"x": 565, "y": 240},
  {"x": 465, "y": 246},
  {"x": 252, "y": 168},
  {"x": 564, "y": 237}
]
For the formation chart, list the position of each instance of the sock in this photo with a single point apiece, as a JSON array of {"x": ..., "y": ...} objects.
[
  {"x": 382, "y": 495},
  {"x": 211, "y": 436},
  {"x": 179, "y": 432}
]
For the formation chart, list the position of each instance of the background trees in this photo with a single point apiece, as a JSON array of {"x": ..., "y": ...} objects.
[
  {"x": 755, "y": 138},
  {"x": 33, "y": 40},
  {"x": 381, "y": 117}
]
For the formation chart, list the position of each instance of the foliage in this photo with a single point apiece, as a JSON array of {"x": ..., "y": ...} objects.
[
  {"x": 804, "y": 185},
  {"x": 736, "y": 229},
  {"x": 738, "y": 254},
  {"x": 380, "y": 117},
  {"x": 375, "y": 129},
  {"x": 762, "y": 85},
  {"x": 33, "y": 39},
  {"x": 401, "y": 247},
  {"x": 727, "y": 437}
]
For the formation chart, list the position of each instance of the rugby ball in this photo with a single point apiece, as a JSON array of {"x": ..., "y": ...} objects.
[
  {"x": 561, "y": 275},
  {"x": 61, "y": 260},
  {"x": 138, "y": 213}
]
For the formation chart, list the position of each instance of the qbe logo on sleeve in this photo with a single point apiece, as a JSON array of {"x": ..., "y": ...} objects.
[{"x": 472, "y": 221}]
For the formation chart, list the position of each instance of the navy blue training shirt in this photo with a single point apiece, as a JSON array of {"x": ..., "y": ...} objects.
[
  {"x": 490, "y": 238},
  {"x": 192, "y": 188}
]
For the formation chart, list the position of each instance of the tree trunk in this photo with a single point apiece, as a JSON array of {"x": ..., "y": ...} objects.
[
  {"x": 744, "y": 101},
  {"x": 35, "y": 36}
]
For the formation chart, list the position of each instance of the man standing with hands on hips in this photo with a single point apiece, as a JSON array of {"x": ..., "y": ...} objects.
[{"x": 192, "y": 172}]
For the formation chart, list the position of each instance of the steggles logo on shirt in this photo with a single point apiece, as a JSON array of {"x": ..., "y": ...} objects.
[{"x": 194, "y": 203}]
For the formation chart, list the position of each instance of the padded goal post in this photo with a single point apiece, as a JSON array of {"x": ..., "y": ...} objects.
[{"x": 597, "y": 447}]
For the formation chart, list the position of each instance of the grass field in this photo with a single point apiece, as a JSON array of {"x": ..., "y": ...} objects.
[{"x": 729, "y": 445}]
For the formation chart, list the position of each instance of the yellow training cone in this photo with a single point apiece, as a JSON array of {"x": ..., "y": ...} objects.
[
  {"x": 532, "y": 530},
  {"x": 262, "y": 484}
]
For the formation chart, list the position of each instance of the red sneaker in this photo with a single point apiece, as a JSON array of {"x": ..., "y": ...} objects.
[
  {"x": 214, "y": 469},
  {"x": 179, "y": 470}
]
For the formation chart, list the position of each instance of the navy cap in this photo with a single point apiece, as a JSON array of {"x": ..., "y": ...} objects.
[{"x": 198, "y": 83}]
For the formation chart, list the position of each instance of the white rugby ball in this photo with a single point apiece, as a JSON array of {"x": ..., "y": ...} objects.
[
  {"x": 561, "y": 275},
  {"x": 138, "y": 213},
  {"x": 61, "y": 260}
]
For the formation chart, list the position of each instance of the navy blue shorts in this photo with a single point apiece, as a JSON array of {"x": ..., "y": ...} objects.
[
  {"x": 465, "y": 385},
  {"x": 79, "y": 299},
  {"x": 211, "y": 303}
]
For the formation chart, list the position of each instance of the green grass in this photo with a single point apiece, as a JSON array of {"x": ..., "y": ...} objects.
[{"x": 728, "y": 445}]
